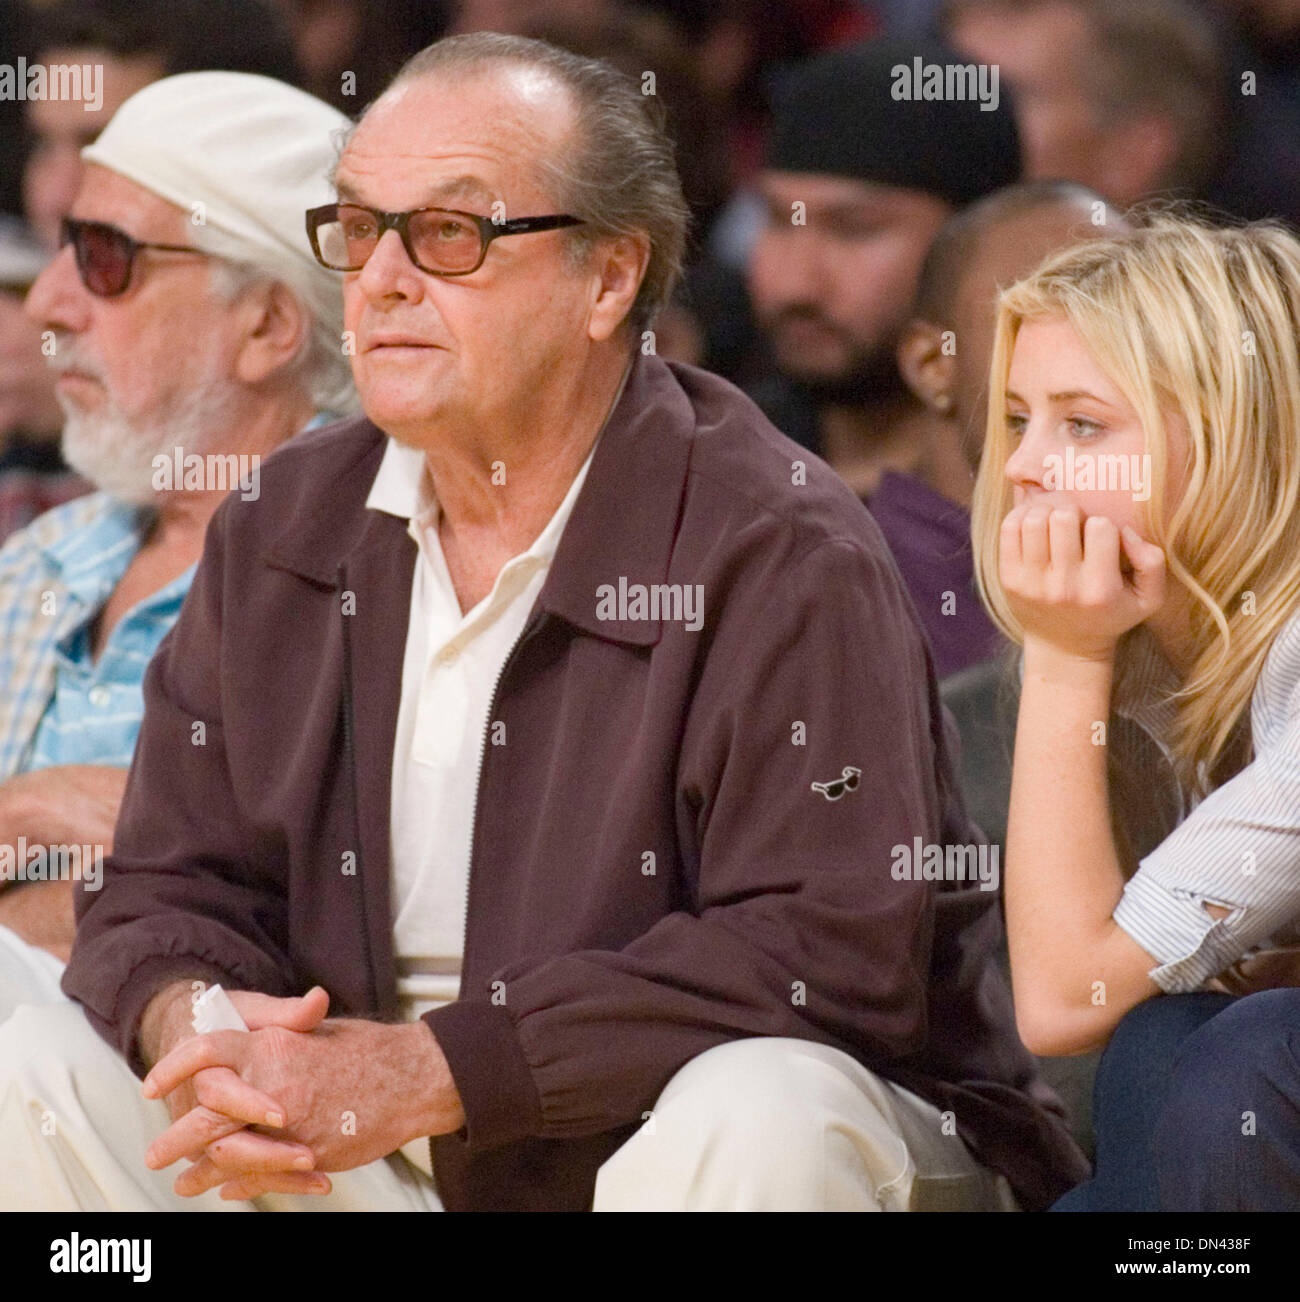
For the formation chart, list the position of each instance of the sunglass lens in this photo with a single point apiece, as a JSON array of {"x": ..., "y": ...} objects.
[{"x": 103, "y": 258}]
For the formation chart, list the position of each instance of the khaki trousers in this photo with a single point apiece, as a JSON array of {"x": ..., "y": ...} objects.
[{"x": 761, "y": 1124}]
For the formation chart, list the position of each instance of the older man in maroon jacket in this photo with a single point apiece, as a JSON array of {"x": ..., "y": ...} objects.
[{"x": 565, "y": 730}]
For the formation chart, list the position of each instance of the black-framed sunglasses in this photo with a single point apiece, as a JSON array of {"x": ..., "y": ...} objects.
[
  {"x": 440, "y": 241},
  {"x": 106, "y": 255}
]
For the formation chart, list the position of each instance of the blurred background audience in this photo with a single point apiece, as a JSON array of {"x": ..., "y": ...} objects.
[
  {"x": 855, "y": 184},
  {"x": 833, "y": 320},
  {"x": 33, "y": 477},
  {"x": 135, "y": 42},
  {"x": 1124, "y": 96}
]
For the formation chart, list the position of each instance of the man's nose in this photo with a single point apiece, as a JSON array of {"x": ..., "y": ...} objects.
[
  {"x": 808, "y": 271},
  {"x": 795, "y": 265},
  {"x": 58, "y": 299},
  {"x": 389, "y": 271}
]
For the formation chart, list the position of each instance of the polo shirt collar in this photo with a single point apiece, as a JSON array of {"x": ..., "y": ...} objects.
[
  {"x": 401, "y": 486},
  {"x": 90, "y": 561},
  {"x": 624, "y": 521}
]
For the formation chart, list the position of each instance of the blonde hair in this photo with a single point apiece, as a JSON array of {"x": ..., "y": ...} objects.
[{"x": 1199, "y": 323}]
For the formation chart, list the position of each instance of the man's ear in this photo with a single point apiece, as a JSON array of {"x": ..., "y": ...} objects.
[
  {"x": 928, "y": 368},
  {"x": 274, "y": 324},
  {"x": 617, "y": 268}
]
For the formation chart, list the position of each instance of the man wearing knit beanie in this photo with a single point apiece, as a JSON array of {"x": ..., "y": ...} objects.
[
  {"x": 872, "y": 148},
  {"x": 192, "y": 332}
]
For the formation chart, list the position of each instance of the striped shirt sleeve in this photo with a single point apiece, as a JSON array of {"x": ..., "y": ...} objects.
[{"x": 1238, "y": 849}]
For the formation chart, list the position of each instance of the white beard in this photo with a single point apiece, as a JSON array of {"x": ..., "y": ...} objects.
[{"x": 117, "y": 454}]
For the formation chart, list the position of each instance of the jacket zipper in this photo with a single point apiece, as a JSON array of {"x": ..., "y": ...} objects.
[
  {"x": 528, "y": 631},
  {"x": 349, "y": 749},
  {"x": 530, "y": 628}
]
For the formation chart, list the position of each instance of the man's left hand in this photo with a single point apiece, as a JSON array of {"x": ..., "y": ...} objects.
[{"x": 351, "y": 1091}]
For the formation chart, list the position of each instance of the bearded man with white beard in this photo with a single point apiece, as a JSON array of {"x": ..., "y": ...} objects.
[{"x": 189, "y": 320}]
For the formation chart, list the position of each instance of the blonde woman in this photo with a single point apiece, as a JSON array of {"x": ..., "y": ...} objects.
[{"x": 1137, "y": 532}]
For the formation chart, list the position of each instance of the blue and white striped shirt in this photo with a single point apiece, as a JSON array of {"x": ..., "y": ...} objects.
[{"x": 1238, "y": 848}]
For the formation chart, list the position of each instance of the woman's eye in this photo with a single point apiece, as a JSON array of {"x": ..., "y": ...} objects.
[
  {"x": 1083, "y": 429},
  {"x": 1016, "y": 425}
]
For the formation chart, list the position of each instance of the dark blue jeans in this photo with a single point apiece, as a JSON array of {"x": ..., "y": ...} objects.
[{"x": 1196, "y": 1107}]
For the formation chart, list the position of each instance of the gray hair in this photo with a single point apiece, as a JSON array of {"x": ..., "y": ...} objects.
[
  {"x": 621, "y": 176},
  {"x": 320, "y": 363}
]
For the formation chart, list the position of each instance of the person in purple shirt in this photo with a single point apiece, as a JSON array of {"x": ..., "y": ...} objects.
[{"x": 943, "y": 355}]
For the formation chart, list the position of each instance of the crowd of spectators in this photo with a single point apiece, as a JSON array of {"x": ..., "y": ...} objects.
[{"x": 771, "y": 105}]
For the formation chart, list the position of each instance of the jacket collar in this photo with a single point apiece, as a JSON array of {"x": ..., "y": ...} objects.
[
  {"x": 623, "y": 524},
  {"x": 625, "y": 521}
]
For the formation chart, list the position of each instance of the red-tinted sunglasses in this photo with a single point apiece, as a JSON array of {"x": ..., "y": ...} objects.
[{"x": 105, "y": 255}]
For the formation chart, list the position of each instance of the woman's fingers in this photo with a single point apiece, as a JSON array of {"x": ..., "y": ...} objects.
[
  {"x": 1148, "y": 561},
  {"x": 1101, "y": 558},
  {"x": 1010, "y": 553},
  {"x": 1035, "y": 550},
  {"x": 1064, "y": 537}
]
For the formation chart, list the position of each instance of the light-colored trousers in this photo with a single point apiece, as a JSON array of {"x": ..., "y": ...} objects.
[{"x": 761, "y": 1124}]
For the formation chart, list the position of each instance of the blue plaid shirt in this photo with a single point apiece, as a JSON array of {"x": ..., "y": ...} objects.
[
  {"x": 95, "y": 713},
  {"x": 56, "y": 706}
]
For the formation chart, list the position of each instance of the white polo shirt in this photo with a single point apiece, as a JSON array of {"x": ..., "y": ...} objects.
[{"x": 449, "y": 674}]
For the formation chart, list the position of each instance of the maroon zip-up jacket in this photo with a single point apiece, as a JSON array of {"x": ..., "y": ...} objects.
[{"x": 652, "y": 871}]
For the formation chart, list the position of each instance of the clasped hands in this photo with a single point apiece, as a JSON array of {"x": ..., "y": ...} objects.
[{"x": 271, "y": 1109}]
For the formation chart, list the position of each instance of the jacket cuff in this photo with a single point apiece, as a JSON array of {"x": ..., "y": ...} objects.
[
  {"x": 145, "y": 981},
  {"x": 491, "y": 1073}
]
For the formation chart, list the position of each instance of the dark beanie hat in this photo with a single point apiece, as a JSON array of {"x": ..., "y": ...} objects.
[{"x": 861, "y": 112}]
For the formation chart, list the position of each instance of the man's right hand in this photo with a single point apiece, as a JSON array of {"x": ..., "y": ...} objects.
[{"x": 168, "y": 1019}]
